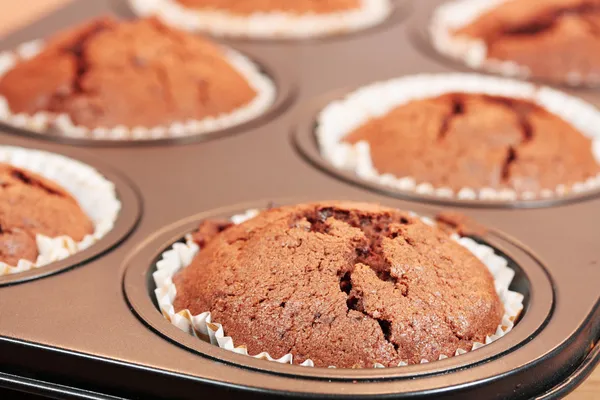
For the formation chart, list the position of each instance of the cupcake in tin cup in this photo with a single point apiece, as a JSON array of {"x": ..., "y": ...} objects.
[
  {"x": 464, "y": 136},
  {"x": 267, "y": 19},
  {"x": 129, "y": 80},
  {"x": 50, "y": 208},
  {"x": 337, "y": 284},
  {"x": 553, "y": 40}
]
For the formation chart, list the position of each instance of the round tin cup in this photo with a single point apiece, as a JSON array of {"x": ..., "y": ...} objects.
[
  {"x": 530, "y": 279},
  {"x": 285, "y": 87},
  {"x": 126, "y": 221},
  {"x": 304, "y": 140}
]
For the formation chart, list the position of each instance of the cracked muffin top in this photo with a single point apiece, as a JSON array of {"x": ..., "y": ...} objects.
[
  {"x": 555, "y": 39},
  {"x": 248, "y": 7},
  {"x": 460, "y": 140},
  {"x": 30, "y": 205},
  {"x": 107, "y": 73},
  {"x": 342, "y": 284}
]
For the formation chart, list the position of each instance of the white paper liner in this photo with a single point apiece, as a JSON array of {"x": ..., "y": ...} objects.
[
  {"x": 95, "y": 194},
  {"x": 451, "y": 16},
  {"x": 342, "y": 117},
  {"x": 180, "y": 255},
  {"x": 275, "y": 24},
  {"x": 61, "y": 124}
]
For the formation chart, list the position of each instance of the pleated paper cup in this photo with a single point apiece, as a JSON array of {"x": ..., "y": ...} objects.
[
  {"x": 181, "y": 254},
  {"x": 61, "y": 124},
  {"x": 95, "y": 194},
  {"x": 265, "y": 25},
  {"x": 342, "y": 117}
]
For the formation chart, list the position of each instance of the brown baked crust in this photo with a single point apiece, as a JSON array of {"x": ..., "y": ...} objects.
[
  {"x": 248, "y": 7},
  {"x": 107, "y": 73},
  {"x": 208, "y": 229},
  {"x": 31, "y": 204},
  {"x": 344, "y": 284},
  {"x": 456, "y": 222},
  {"x": 478, "y": 141},
  {"x": 554, "y": 38}
]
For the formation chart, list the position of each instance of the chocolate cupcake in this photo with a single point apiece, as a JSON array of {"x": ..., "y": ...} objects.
[
  {"x": 465, "y": 136},
  {"x": 553, "y": 40},
  {"x": 50, "y": 208},
  {"x": 337, "y": 284},
  {"x": 108, "y": 79},
  {"x": 266, "y": 18}
]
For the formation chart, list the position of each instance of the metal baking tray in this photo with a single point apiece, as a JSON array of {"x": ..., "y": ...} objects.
[{"x": 88, "y": 328}]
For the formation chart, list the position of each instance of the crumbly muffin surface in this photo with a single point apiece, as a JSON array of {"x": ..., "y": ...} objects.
[
  {"x": 107, "y": 73},
  {"x": 342, "y": 284}
]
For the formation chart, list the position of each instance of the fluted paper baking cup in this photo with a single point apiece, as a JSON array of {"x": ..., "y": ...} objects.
[
  {"x": 61, "y": 123},
  {"x": 94, "y": 193},
  {"x": 342, "y": 117},
  {"x": 275, "y": 24},
  {"x": 181, "y": 254},
  {"x": 454, "y": 15}
]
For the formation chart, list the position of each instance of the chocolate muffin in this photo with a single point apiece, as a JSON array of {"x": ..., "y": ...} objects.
[
  {"x": 556, "y": 40},
  {"x": 31, "y": 205},
  {"x": 109, "y": 73},
  {"x": 460, "y": 140},
  {"x": 249, "y": 7},
  {"x": 342, "y": 284}
]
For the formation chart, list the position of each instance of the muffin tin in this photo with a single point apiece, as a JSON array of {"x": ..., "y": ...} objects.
[
  {"x": 94, "y": 332},
  {"x": 306, "y": 142},
  {"x": 285, "y": 92},
  {"x": 126, "y": 220},
  {"x": 138, "y": 277}
]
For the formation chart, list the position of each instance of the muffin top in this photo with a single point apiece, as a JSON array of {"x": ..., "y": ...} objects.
[
  {"x": 107, "y": 73},
  {"x": 248, "y": 7},
  {"x": 342, "y": 284},
  {"x": 553, "y": 38},
  {"x": 460, "y": 140},
  {"x": 30, "y": 205}
]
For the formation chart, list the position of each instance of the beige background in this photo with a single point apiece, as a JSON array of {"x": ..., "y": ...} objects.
[{"x": 14, "y": 16}]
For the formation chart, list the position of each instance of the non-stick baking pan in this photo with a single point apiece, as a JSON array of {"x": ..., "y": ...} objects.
[{"x": 87, "y": 328}]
